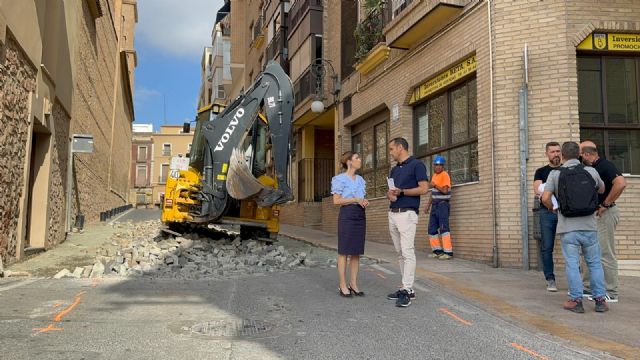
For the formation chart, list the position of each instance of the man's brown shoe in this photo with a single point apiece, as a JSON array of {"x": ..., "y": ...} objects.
[{"x": 575, "y": 306}]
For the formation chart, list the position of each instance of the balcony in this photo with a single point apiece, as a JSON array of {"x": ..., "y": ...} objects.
[
  {"x": 409, "y": 22},
  {"x": 273, "y": 49},
  {"x": 304, "y": 86},
  {"x": 258, "y": 33},
  {"x": 300, "y": 8},
  {"x": 371, "y": 49}
]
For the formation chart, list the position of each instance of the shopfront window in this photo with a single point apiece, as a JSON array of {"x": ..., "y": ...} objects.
[
  {"x": 371, "y": 144},
  {"x": 447, "y": 125},
  {"x": 608, "y": 100}
]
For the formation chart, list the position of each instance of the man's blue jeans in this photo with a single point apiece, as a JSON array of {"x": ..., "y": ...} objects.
[
  {"x": 572, "y": 243},
  {"x": 548, "y": 224}
]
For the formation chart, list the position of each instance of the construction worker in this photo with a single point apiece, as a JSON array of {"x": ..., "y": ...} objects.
[{"x": 439, "y": 205}]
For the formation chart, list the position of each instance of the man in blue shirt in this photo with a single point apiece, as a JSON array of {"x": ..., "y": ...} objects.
[{"x": 410, "y": 180}]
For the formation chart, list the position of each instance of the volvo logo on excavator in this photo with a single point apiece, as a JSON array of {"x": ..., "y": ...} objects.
[{"x": 230, "y": 129}]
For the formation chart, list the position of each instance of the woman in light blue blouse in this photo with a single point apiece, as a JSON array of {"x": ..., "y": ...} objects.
[{"x": 348, "y": 191}]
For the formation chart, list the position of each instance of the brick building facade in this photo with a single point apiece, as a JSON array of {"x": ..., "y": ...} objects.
[
  {"x": 446, "y": 75},
  {"x": 69, "y": 72}
]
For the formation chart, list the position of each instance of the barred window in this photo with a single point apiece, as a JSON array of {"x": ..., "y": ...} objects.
[
  {"x": 371, "y": 144},
  {"x": 608, "y": 100},
  {"x": 447, "y": 125}
]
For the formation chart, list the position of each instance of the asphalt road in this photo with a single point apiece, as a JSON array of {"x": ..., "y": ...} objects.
[
  {"x": 296, "y": 315},
  {"x": 291, "y": 315}
]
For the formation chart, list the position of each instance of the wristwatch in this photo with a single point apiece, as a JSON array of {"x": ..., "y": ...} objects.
[
  {"x": 605, "y": 205},
  {"x": 401, "y": 192}
]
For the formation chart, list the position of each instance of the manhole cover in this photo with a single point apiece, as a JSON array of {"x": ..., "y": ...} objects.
[{"x": 231, "y": 328}]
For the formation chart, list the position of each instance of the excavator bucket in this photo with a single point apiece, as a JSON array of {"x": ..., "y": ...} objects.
[{"x": 241, "y": 184}]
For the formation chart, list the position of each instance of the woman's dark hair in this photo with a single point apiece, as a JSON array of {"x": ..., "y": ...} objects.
[{"x": 346, "y": 156}]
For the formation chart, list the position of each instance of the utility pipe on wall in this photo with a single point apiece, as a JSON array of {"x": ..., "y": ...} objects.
[
  {"x": 524, "y": 157},
  {"x": 494, "y": 257}
]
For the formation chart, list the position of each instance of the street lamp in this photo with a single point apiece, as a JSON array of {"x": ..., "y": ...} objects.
[{"x": 319, "y": 70}]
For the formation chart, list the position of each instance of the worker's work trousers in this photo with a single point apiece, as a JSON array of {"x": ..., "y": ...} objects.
[
  {"x": 439, "y": 228},
  {"x": 402, "y": 227},
  {"x": 607, "y": 224}
]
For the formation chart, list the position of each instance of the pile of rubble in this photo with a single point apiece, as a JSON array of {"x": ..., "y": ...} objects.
[{"x": 142, "y": 250}]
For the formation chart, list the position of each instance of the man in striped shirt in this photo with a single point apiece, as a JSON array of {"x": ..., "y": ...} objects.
[{"x": 439, "y": 236}]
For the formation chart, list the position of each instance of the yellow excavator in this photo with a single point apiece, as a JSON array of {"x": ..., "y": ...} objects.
[{"x": 237, "y": 172}]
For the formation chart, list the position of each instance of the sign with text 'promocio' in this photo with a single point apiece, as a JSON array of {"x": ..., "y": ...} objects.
[
  {"x": 444, "y": 79},
  {"x": 611, "y": 42}
]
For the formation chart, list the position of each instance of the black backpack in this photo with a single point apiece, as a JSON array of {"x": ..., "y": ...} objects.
[{"x": 577, "y": 194}]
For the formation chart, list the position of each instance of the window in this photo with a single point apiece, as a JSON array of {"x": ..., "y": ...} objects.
[
  {"x": 164, "y": 172},
  {"x": 447, "y": 124},
  {"x": 189, "y": 149},
  {"x": 142, "y": 153},
  {"x": 608, "y": 99},
  {"x": 166, "y": 149},
  {"x": 221, "y": 94},
  {"x": 141, "y": 176},
  {"x": 371, "y": 144}
]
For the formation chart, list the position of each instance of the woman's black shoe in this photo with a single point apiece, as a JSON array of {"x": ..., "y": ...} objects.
[
  {"x": 356, "y": 293},
  {"x": 343, "y": 294}
]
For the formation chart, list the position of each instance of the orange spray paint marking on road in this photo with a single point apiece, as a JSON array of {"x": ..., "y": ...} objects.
[
  {"x": 46, "y": 330},
  {"x": 57, "y": 305},
  {"x": 75, "y": 303},
  {"x": 380, "y": 275},
  {"x": 530, "y": 352},
  {"x": 94, "y": 283},
  {"x": 455, "y": 317}
]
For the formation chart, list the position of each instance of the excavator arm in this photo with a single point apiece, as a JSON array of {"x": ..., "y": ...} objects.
[{"x": 224, "y": 162}]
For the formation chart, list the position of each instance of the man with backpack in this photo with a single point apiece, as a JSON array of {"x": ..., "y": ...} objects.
[
  {"x": 608, "y": 216},
  {"x": 576, "y": 187}
]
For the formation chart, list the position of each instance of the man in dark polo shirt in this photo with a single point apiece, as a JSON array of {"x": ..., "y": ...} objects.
[
  {"x": 548, "y": 217},
  {"x": 608, "y": 216},
  {"x": 410, "y": 180}
]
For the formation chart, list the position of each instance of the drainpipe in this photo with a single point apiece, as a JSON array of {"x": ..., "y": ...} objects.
[
  {"x": 494, "y": 259},
  {"x": 524, "y": 157}
]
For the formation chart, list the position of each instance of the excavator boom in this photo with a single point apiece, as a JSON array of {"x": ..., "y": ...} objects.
[{"x": 226, "y": 174}]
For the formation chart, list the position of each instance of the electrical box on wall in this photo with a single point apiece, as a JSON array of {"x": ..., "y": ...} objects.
[{"x": 82, "y": 143}]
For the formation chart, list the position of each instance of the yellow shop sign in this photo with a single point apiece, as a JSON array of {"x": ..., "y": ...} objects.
[
  {"x": 611, "y": 42},
  {"x": 444, "y": 79}
]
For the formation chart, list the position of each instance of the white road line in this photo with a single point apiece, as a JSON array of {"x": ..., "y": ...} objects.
[
  {"x": 384, "y": 270},
  {"x": 17, "y": 284}
]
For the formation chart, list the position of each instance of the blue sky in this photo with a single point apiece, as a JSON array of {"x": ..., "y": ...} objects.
[{"x": 170, "y": 36}]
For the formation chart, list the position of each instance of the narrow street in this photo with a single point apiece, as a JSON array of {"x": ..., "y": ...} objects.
[{"x": 290, "y": 315}]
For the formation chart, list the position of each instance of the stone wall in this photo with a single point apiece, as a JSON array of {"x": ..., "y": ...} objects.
[
  {"x": 58, "y": 176},
  {"x": 93, "y": 112},
  {"x": 17, "y": 81}
]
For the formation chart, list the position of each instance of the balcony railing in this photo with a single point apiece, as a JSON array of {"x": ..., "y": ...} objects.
[
  {"x": 304, "y": 86},
  {"x": 369, "y": 32},
  {"x": 298, "y": 10},
  {"x": 314, "y": 179},
  {"x": 273, "y": 49},
  {"x": 257, "y": 28}
]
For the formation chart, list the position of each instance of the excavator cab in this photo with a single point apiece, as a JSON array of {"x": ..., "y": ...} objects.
[{"x": 238, "y": 167}]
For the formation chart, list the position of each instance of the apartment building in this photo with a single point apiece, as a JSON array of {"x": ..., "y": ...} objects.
[
  {"x": 140, "y": 193},
  {"x": 450, "y": 77},
  {"x": 169, "y": 142},
  {"x": 68, "y": 73}
]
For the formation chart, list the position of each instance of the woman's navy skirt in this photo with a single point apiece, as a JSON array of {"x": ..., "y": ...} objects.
[{"x": 352, "y": 224}]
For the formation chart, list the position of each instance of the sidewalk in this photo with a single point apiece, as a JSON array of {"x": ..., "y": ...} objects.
[
  {"x": 519, "y": 296},
  {"x": 78, "y": 250}
]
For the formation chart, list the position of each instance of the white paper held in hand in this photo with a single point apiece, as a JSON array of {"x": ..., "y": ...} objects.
[
  {"x": 554, "y": 201},
  {"x": 391, "y": 184}
]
